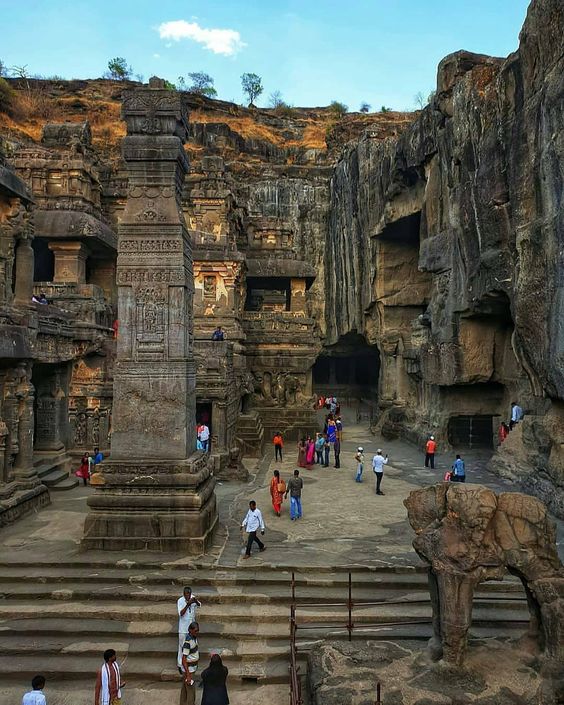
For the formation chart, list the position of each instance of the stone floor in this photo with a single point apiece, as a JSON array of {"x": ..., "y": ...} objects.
[{"x": 344, "y": 524}]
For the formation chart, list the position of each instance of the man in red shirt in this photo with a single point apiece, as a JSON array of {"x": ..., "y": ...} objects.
[
  {"x": 430, "y": 449},
  {"x": 278, "y": 443}
]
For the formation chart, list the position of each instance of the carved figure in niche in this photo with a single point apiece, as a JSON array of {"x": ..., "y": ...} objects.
[
  {"x": 150, "y": 313},
  {"x": 80, "y": 430},
  {"x": 96, "y": 428},
  {"x": 267, "y": 385},
  {"x": 210, "y": 286}
]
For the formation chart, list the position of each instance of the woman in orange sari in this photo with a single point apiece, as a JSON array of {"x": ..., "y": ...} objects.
[{"x": 275, "y": 493}]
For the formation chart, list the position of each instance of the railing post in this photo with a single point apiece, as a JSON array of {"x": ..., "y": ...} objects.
[
  {"x": 378, "y": 701},
  {"x": 350, "y": 606}
]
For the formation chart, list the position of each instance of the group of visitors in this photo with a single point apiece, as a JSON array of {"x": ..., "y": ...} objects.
[
  {"x": 214, "y": 678},
  {"x": 87, "y": 465},
  {"x": 41, "y": 299}
]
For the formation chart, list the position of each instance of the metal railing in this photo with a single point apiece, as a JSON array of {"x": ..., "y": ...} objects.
[
  {"x": 350, "y": 604},
  {"x": 295, "y": 675}
]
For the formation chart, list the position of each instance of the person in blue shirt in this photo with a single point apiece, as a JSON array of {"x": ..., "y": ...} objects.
[
  {"x": 458, "y": 470},
  {"x": 98, "y": 457}
]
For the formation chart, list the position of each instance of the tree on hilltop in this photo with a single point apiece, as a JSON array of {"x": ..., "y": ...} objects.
[
  {"x": 275, "y": 100},
  {"x": 365, "y": 107},
  {"x": 118, "y": 69},
  {"x": 252, "y": 87},
  {"x": 338, "y": 109},
  {"x": 202, "y": 84}
]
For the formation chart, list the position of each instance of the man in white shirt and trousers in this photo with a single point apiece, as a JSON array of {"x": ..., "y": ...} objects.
[
  {"x": 252, "y": 522},
  {"x": 187, "y": 605},
  {"x": 378, "y": 462}
]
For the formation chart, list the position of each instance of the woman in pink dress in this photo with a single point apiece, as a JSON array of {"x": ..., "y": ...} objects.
[
  {"x": 310, "y": 452},
  {"x": 302, "y": 451}
]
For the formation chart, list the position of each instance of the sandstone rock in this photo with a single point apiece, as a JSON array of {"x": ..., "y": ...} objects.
[{"x": 467, "y": 534}]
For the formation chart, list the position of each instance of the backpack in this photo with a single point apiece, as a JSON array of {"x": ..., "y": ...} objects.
[{"x": 281, "y": 487}]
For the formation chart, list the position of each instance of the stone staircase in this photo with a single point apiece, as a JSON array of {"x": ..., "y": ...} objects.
[
  {"x": 54, "y": 470},
  {"x": 251, "y": 432},
  {"x": 57, "y": 618}
]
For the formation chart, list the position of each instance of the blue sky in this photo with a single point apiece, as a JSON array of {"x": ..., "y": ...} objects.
[{"x": 313, "y": 51}]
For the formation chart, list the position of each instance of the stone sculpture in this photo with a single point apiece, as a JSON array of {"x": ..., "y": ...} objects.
[{"x": 467, "y": 534}]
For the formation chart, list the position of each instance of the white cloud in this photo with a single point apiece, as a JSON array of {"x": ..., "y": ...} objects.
[
  {"x": 156, "y": 56},
  {"x": 221, "y": 41}
]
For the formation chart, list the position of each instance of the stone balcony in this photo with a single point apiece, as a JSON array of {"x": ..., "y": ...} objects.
[
  {"x": 86, "y": 302},
  {"x": 277, "y": 326}
]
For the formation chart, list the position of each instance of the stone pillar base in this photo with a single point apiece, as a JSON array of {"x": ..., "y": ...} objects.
[{"x": 155, "y": 506}]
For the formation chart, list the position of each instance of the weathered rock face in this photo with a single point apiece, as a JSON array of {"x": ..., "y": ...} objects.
[
  {"x": 468, "y": 534},
  {"x": 444, "y": 248}
]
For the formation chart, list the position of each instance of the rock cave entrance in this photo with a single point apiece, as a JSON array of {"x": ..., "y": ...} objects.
[{"x": 350, "y": 369}]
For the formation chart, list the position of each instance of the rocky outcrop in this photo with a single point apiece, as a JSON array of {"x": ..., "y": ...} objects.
[{"x": 467, "y": 534}]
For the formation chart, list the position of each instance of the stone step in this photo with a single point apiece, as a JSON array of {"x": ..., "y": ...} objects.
[
  {"x": 142, "y": 693},
  {"x": 151, "y": 611},
  {"x": 202, "y": 580},
  {"x": 76, "y": 666},
  {"x": 225, "y": 594},
  {"x": 59, "y": 480}
]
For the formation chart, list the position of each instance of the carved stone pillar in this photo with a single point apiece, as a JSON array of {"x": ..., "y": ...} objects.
[
  {"x": 70, "y": 261},
  {"x": 23, "y": 289},
  {"x": 219, "y": 420},
  {"x": 52, "y": 413},
  {"x": 23, "y": 466},
  {"x": 158, "y": 492}
]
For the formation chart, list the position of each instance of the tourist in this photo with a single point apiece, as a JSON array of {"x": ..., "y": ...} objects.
[
  {"x": 458, "y": 471},
  {"x": 337, "y": 452},
  {"x": 294, "y": 487},
  {"x": 35, "y": 695},
  {"x": 186, "y": 607},
  {"x": 98, "y": 456},
  {"x": 204, "y": 437},
  {"x": 302, "y": 450},
  {"x": 277, "y": 489},
  {"x": 252, "y": 522},
  {"x": 326, "y": 449},
  {"x": 84, "y": 469},
  {"x": 190, "y": 658},
  {"x": 278, "y": 445},
  {"x": 503, "y": 432},
  {"x": 359, "y": 457},
  {"x": 331, "y": 430},
  {"x": 339, "y": 426},
  {"x": 516, "y": 415},
  {"x": 333, "y": 405},
  {"x": 378, "y": 462},
  {"x": 218, "y": 334},
  {"x": 108, "y": 681},
  {"x": 430, "y": 449},
  {"x": 214, "y": 679},
  {"x": 319, "y": 443},
  {"x": 41, "y": 299},
  {"x": 310, "y": 452}
]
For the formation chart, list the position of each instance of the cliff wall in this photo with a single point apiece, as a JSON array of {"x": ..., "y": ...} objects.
[{"x": 460, "y": 222}]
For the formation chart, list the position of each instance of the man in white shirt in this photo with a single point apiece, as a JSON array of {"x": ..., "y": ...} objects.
[
  {"x": 252, "y": 522},
  {"x": 516, "y": 414},
  {"x": 35, "y": 695},
  {"x": 378, "y": 462},
  {"x": 186, "y": 605}
]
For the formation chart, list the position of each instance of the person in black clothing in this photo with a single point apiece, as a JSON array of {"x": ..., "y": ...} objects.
[
  {"x": 214, "y": 678},
  {"x": 337, "y": 451}
]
